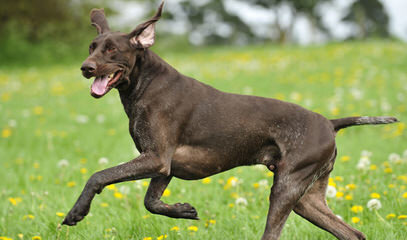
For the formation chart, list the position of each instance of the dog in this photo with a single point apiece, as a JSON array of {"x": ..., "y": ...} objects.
[{"x": 186, "y": 129}]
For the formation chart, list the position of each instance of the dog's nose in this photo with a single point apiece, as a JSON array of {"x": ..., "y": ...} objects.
[{"x": 88, "y": 67}]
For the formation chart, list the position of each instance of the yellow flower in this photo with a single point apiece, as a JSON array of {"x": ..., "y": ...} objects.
[
  {"x": 388, "y": 170},
  {"x": 146, "y": 216},
  {"x": 60, "y": 214},
  {"x": 234, "y": 195},
  {"x": 355, "y": 219},
  {"x": 175, "y": 228},
  {"x": 193, "y": 228},
  {"x": 392, "y": 185},
  {"x": 14, "y": 201},
  {"x": 28, "y": 216},
  {"x": 231, "y": 205},
  {"x": 5, "y": 238},
  {"x": 256, "y": 185},
  {"x": 345, "y": 158},
  {"x": 104, "y": 204},
  {"x": 357, "y": 209},
  {"x": 71, "y": 184},
  {"x": 206, "y": 180},
  {"x": 402, "y": 217},
  {"x": 166, "y": 193},
  {"x": 390, "y": 215},
  {"x": 20, "y": 235},
  {"x": 339, "y": 194},
  {"x": 36, "y": 238},
  {"x": 162, "y": 237},
  {"x": 111, "y": 187},
  {"x": 38, "y": 110},
  {"x": 148, "y": 238},
  {"x": 212, "y": 221},
  {"x": 6, "y": 132},
  {"x": 373, "y": 167},
  {"x": 36, "y": 165},
  {"x": 339, "y": 178},
  {"x": 350, "y": 186},
  {"x": 83, "y": 160},
  {"x": 118, "y": 195},
  {"x": 348, "y": 197},
  {"x": 404, "y": 195},
  {"x": 375, "y": 195},
  {"x": 145, "y": 184},
  {"x": 270, "y": 174},
  {"x": 84, "y": 170}
]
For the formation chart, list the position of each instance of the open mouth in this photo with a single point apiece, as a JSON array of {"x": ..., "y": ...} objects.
[{"x": 102, "y": 85}]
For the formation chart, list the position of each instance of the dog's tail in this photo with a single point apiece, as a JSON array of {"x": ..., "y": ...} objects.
[{"x": 352, "y": 121}]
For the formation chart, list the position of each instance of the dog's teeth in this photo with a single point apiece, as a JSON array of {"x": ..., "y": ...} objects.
[{"x": 111, "y": 75}]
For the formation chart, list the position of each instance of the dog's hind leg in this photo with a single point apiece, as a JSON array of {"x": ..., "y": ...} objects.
[
  {"x": 155, "y": 205},
  {"x": 312, "y": 206}
]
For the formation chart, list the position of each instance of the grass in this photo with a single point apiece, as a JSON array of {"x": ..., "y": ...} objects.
[{"x": 48, "y": 115}]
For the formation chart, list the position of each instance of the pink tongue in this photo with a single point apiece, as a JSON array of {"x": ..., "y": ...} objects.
[{"x": 99, "y": 86}]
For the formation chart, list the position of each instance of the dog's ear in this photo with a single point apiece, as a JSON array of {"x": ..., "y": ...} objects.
[
  {"x": 144, "y": 34},
  {"x": 98, "y": 19}
]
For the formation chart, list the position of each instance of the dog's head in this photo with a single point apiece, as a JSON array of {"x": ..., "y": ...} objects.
[{"x": 112, "y": 55}]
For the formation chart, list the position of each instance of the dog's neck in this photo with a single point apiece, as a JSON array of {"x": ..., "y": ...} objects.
[{"x": 147, "y": 68}]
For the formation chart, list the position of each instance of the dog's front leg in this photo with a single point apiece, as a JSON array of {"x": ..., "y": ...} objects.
[{"x": 146, "y": 165}]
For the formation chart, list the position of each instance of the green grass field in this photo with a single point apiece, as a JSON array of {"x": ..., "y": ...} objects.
[{"x": 48, "y": 115}]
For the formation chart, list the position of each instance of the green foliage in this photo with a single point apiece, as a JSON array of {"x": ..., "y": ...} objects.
[{"x": 48, "y": 115}]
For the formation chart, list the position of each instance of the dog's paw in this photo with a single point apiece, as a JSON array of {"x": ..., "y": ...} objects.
[
  {"x": 185, "y": 210},
  {"x": 74, "y": 216}
]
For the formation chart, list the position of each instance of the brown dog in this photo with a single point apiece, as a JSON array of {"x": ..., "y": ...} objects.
[{"x": 189, "y": 130}]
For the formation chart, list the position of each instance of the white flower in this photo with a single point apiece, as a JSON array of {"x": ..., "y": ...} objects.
[
  {"x": 63, "y": 163},
  {"x": 100, "y": 118},
  {"x": 374, "y": 204},
  {"x": 366, "y": 153},
  {"x": 82, "y": 119},
  {"x": 264, "y": 183},
  {"x": 103, "y": 161},
  {"x": 138, "y": 184},
  {"x": 124, "y": 189},
  {"x": 356, "y": 93},
  {"x": 241, "y": 201},
  {"x": 330, "y": 191},
  {"x": 364, "y": 163},
  {"x": 12, "y": 123},
  {"x": 394, "y": 158}
]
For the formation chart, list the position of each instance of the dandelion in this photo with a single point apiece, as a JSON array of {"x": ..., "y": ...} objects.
[
  {"x": 404, "y": 195},
  {"x": 103, "y": 204},
  {"x": 111, "y": 187},
  {"x": 339, "y": 194},
  {"x": 374, "y": 204},
  {"x": 390, "y": 215},
  {"x": 394, "y": 158},
  {"x": 270, "y": 174},
  {"x": 148, "y": 238},
  {"x": 330, "y": 191},
  {"x": 206, "y": 180},
  {"x": 167, "y": 193},
  {"x": 82, "y": 119},
  {"x": 162, "y": 237},
  {"x": 364, "y": 163},
  {"x": 388, "y": 170},
  {"x": 193, "y": 228},
  {"x": 375, "y": 195},
  {"x": 6, "y": 133},
  {"x": 402, "y": 217},
  {"x": 256, "y": 185},
  {"x": 14, "y": 201},
  {"x": 118, "y": 195},
  {"x": 350, "y": 186},
  {"x": 63, "y": 163},
  {"x": 38, "y": 110},
  {"x": 175, "y": 228},
  {"x": 103, "y": 161},
  {"x": 355, "y": 219},
  {"x": 345, "y": 158},
  {"x": 241, "y": 201},
  {"x": 264, "y": 183},
  {"x": 28, "y": 216},
  {"x": 366, "y": 153},
  {"x": 71, "y": 184},
  {"x": 348, "y": 197},
  {"x": 84, "y": 170},
  {"x": 20, "y": 235},
  {"x": 5, "y": 238},
  {"x": 339, "y": 178},
  {"x": 357, "y": 209},
  {"x": 60, "y": 214},
  {"x": 124, "y": 189}
]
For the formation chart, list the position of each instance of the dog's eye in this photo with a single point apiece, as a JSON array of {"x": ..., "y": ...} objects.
[{"x": 110, "y": 49}]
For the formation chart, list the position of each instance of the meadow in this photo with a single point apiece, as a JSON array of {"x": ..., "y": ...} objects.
[{"x": 54, "y": 135}]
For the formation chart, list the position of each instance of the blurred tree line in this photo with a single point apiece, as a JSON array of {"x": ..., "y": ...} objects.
[{"x": 62, "y": 24}]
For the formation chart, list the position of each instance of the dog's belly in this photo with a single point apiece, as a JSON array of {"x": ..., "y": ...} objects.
[{"x": 192, "y": 162}]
